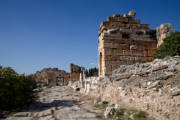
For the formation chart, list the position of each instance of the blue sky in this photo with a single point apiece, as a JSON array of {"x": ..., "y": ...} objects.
[{"x": 35, "y": 34}]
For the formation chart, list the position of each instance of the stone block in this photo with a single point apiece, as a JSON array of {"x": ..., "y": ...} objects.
[
  {"x": 121, "y": 33},
  {"x": 132, "y": 13}
]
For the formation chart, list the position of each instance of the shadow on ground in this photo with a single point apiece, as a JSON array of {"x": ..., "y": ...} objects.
[{"x": 38, "y": 106}]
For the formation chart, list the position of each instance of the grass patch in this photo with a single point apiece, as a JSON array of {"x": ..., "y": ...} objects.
[
  {"x": 100, "y": 105},
  {"x": 132, "y": 111},
  {"x": 99, "y": 116},
  {"x": 129, "y": 114},
  {"x": 141, "y": 115},
  {"x": 71, "y": 89},
  {"x": 119, "y": 114}
]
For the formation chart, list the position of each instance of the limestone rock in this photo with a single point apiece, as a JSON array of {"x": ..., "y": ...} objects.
[
  {"x": 177, "y": 68},
  {"x": 22, "y": 114},
  {"x": 154, "y": 84},
  {"x": 163, "y": 31},
  {"x": 175, "y": 92},
  {"x": 120, "y": 77},
  {"x": 161, "y": 76},
  {"x": 117, "y": 106},
  {"x": 132, "y": 13},
  {"x": 109, "y": 111}
]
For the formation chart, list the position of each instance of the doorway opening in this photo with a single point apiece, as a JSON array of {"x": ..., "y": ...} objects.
[{"x": 100, "y": 64}]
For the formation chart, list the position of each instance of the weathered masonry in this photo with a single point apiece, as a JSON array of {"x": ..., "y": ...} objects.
[
  {"x": 124, "y": 41},
  {"x": 56, "y": 77}
]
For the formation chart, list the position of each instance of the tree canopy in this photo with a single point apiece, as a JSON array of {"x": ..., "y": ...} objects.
[
  {"x": 91, "y": 72},
  {"x": 16, "y": 90},
  {"x": 170, "y": 46}
]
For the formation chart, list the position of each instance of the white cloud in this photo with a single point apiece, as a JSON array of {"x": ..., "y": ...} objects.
[{"x": 92, "y": 63}]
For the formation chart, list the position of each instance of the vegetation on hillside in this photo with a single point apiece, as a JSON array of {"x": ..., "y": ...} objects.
[
  {"x": 130, "y": 114},
  {"x": 91, "y": 72},
  {"x": 170, "y": 46},
  {"x": 16, "y": 91}
]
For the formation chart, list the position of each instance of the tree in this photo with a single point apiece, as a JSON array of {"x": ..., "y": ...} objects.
[
  {"x": 170, "y": 46},
  {"x": 91, "y": 72},
  {"x": 16, "y": 90}
]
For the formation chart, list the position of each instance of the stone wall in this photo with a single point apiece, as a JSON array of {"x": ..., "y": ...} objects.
[
  {"x": 76, "y": 72},
  {"x": 153, "y": 87},
  {"x": 163, "y": 31},
  {"x": 124, "y": 41},
  {"x": 53, "y": 76}
]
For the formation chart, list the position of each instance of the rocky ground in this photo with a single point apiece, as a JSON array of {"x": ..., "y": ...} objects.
[
  {"x": 60, "y": 103},
  {"x": 153, "y": 87}
]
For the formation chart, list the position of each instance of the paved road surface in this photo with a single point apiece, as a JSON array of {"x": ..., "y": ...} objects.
[{"x": 60, "y": 103}]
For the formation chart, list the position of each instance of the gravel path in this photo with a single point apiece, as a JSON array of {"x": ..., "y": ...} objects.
[{"x": 60, "y": 103}]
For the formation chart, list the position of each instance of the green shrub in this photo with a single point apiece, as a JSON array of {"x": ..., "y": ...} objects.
[
  {"x": 16, "y": 91},
  {"x": 141, "y": 115},
  {"x": 130, "y": 114},
  {"x": 170, "y": 46},
  {"x": 100, "y": 105},
  {"x": 119, "y": 114}
]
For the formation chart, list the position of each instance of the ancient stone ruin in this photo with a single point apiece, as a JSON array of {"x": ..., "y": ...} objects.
[
  {"x": 76, "y": 72},
  {"x": 55, "y": 77},
  {"x": 153, "y": 87},
  {"x": 128, "y": 74},
  {"x": 123, "y": 40}
]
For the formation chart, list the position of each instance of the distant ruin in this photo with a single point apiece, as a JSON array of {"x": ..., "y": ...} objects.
[
  {"x": 56, "y": 77},
  {"x": 123, "y": 40}
]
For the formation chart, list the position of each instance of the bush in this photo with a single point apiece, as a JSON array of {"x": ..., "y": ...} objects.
[
  {"x": 130, "y": 114},
  {"x": 141, "y": 115},
  {"x": 170, "y": 46},
  {"x": 16, "y": 91}
]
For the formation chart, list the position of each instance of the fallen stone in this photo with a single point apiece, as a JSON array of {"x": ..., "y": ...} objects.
[
  {"x": 177, "y": 68},
  {"x": 159, "y": 67},
  {"x": 132, "y": 13},
  {"x": 175, "y": 92},
  {"x": 154, "y": 84},
  {"x": 109, "y": 111},
  {"x": 22, "y": 114},
  {"x": 172, "y": 65},
  {"x": 50, "y": 117},
  {"x": 117, "y": 106},
  {"x": 160, "y": 76},
  {"x": 120, "y": 70},
  {"x": 96, "y": 100},
  {"x": 120, "y": 77}
]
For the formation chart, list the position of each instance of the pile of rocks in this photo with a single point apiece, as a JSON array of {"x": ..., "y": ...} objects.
[{"x": 153, "y": 87}]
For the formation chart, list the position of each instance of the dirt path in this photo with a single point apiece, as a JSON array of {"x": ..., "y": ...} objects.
[{"x": 60, "y": 103}]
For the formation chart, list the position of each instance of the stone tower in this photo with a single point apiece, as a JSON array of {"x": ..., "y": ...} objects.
[{"x": 124, "y": 41}]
